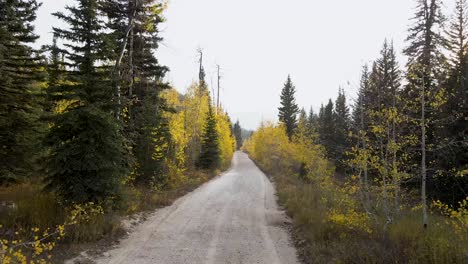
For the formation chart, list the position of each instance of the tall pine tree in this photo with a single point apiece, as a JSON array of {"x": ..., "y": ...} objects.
[
  {"x": 424, "y": 74},
  {"x": 342, "y": 126},
  {"x": 209, "y": 158},
  {"x": 88, "y": 156},
  {"x": 327, "y": 128},
  {"x": 288, "y": 110},
  {"x": 135, "y": 36},
  {"x": 20, "y": 74},
  {"x": 312, "y": 122},
  {"x": 451, "y": 161}
]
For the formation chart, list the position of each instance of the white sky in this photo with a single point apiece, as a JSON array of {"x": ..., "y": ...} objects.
[{"x": 321, "y": 43}]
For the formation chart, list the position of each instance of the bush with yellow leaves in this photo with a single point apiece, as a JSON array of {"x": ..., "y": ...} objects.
[
  {"x": 332, "y": 225},
  {"x": 35, "y": 245}
]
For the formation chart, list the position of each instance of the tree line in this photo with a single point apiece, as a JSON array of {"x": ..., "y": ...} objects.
[
  {"x": 407, "y": 130},
  {"x": 382, "y": 179},
  {"x": 91, "y": 112}
]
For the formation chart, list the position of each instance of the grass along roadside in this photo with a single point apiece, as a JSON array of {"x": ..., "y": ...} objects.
[
  {"x": 26, "y": 207},
  {"x": 321, "y": 237},
  {"x": 330, "y": 224}
]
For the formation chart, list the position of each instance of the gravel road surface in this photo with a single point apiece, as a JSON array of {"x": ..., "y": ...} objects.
[{"x": 233, "y": 218}]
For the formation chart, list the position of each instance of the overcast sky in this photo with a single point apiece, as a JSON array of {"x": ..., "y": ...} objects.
[{"x": 257, "y": 43}]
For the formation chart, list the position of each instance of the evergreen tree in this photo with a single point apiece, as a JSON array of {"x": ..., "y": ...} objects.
[
  {"x": 209, "y": 158},
  {"x": 359, "y": 128},
  {"x": 359, "y": 105},
  {"x": 288, "y": 110},
  {"x": 342, "y": 126},
  {"x": 135, "y": 34},
  {"x": 152, "y": 140},
  {"x": 88, "y": 156},
  {"x": 312, "y": 122},
  {"x": 451, "y": 159},
  {"x": 426, "y": 63},
  {"x": 327, "y": 128},
  {"x": 20, "y": 74},
  {"x": 237, "y": 130}
]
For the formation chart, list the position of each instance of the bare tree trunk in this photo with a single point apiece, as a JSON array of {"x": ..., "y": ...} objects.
[
  {"x": 131, "y": 72},
  {"x": 384, "y": 181},
  {"x": 366, "y": 183},
  {"x": 423, "y": 157},
  {"x": 384, "y": 160},
  {"x": 130, "y": 64},
  {"x": 116, "y": 73},
  {"x": 396, "y": 182}
]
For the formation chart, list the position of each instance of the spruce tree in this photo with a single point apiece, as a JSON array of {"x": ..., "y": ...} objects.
[
  {"x": 20, "y": 74},
  {"x": 135, "y": 33},
  {"x": 342, "y": 126},
  {"x": 209, "y": 158},
  {"x": 327, "y": 128},
  {"x": 88, "y": 157},
  {"x": 237, "y": 130},
  {"x": 451, "y": 159},
  {"x": 358, "y": 120},
  {"x": 312, "y": 122},
  {"x": 288, "y": 110},
  {"x": 425, "y": 72}
]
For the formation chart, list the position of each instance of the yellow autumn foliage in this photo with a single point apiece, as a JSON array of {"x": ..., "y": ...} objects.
[
  {"x": 186, "y": 125},
  {"x": 227, "y": 142},
  {"x": 331, "y": 222}
]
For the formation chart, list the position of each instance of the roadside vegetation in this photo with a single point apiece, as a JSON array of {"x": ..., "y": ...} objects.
[
  {"x": 90, "y": 131},
  {"x": 330, "y": 222},
  {"x": 385, "y": 181}
]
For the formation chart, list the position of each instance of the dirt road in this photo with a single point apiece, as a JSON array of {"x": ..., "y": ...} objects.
[{"x": 231, "y": 219}]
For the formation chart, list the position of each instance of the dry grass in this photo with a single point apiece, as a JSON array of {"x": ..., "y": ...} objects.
[
  {"x": 26, "y": 206},
  {"x": 406, "y": 241}
]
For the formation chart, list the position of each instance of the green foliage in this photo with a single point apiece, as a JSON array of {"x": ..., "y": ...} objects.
[
  {"x": 288, "y": 109},
  {"x": 340, "y": 134},
  {"x": 88, "y": 157},
  {"x": 237, "y": 131},
  {"x": 138, "y": 77},
  {"x": 21, "y": 87},
  {"x": 451, "y": 132},
  {"x": 209, "y": 157},
  {"x": 152, "y": 141},
  {"x": 326, "y": 128}
]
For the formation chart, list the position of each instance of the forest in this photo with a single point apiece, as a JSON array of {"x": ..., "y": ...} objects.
[
  {"x": 387, "y": 178},
  {"x": 92, "y": 133}
]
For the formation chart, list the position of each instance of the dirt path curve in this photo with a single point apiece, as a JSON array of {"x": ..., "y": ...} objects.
[{"x": 231, "y": 219}]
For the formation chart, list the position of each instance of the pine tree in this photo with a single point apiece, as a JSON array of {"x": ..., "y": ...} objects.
[
  {"x": 237, "y": 131},
  {"x": 340, "y": 134},
  {"x": 358, "y": 123},
  {"x": 360, "y": 143},
  {"x": 327, "y": 128},
  {"x": 88, "y": 157},
  {"x": 209, "y": 158},
  {"x": 288, "y": 110},
  {"x": 152, "y": 141},
  {"x": 312, "y": 122},
  {"x": 451, "y": 159},
  {"x": 20, "y": 74},
  {"x": 135, "y": 32},
  {"x": 425, "y": 72}
]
